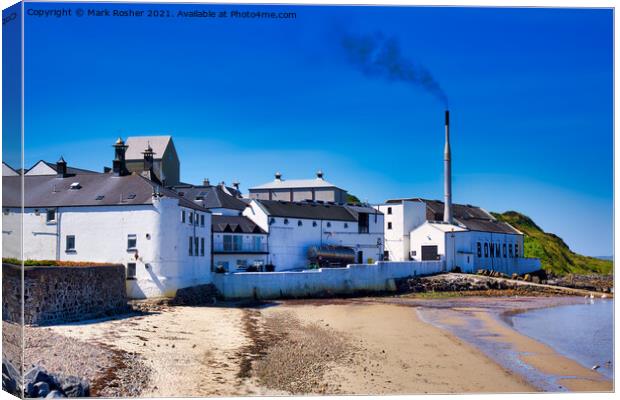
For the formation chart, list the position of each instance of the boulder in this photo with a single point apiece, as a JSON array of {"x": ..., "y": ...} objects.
[
  {"x": 10, "y": 378},
  {"x": 73, "y": 386},
  {"x": 42, "y": 389}
]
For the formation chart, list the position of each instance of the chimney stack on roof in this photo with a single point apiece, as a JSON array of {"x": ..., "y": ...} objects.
[
  {"x": 236, "y": 185},
  {"x": 278, "y": 176},
  {"x": 119, "y": 165},
  {"x": 148, "y": 158},
  {"x": 205, "y": 182},
  {"x": 61, "y": 168},
  {"x": 319, "y": 174}
]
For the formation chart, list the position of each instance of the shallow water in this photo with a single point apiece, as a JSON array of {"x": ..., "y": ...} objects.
[{"x": 583, "y": 332}]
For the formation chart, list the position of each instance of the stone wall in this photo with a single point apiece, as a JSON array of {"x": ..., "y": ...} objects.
[{"x": 63, "y": 294}]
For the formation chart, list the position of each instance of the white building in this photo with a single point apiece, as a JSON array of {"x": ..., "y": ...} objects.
[
  {"x": 163, "y": 239},
  {"x": 415, "y": 230},
  {"x": 317, "y": 189},
  {"x": 293, "y": 227}
]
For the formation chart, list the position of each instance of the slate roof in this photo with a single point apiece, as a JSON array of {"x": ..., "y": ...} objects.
[
  {"x": 211, "y": 196},
  {"x": 234, "y": 224},
  {"x": 295, "y": 184},
  {"x": 137, "y": 144},
  {"x": 308, "y": 210},
  {"x": 471, "y": 217},
  {"x": 52, "y": 191},
  {"x": 70, "y": 170}
]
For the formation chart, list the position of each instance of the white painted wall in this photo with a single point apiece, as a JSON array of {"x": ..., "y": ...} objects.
[
  {"x": 162, "y": 259},
  {"x": 40, "y": 168},
  {"x": 270, "y": 285},
  {"x": 402, "y": 218},
  {"x": 289, "y": 242},
  {"x": 460, "y": 248}
]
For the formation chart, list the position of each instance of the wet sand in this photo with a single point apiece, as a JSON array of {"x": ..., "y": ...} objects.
[{"x": 366, "y": 346}]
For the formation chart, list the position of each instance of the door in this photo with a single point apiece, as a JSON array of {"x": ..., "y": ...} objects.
[{"x": 429, "y": 253}]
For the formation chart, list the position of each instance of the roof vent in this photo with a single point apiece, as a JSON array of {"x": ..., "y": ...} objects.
[
  {"x": 131, "y": 196},
  {"x": 100, "y": 197},
  {"x": 75, "y": 186}
]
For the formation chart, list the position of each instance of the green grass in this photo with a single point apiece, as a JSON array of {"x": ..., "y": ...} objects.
[{"x": 555, "y": 255}]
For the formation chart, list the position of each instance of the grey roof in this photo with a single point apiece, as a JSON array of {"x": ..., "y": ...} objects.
[
  {"x": 70, "y": 170},
  {"x": 53, "y": 191},
  {"x": 210, "y": 196},
  {"x": 137, "y": 144},
  {"x": 295, "y": 184},
  {"x": 307, "y": 210},
  {"x": 471, "y": 217},
  {"x": 357, "y": 209},
  {"x": 234, "y": 224}
]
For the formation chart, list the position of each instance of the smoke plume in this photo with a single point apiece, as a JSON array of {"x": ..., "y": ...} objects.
[{"x": 377, "y": 56}]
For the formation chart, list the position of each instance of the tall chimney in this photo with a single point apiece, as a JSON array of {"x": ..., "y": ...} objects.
[
  {"x": 447, "y": 179},
  {"x": 148, "y": 158}
]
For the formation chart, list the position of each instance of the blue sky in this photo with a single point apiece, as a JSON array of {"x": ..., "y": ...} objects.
[{"x": 530, "y": 92}]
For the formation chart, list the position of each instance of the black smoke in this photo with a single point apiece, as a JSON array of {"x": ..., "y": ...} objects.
[{"x": 378, "y": 56}]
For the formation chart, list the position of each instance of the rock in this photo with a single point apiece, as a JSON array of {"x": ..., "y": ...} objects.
[
  {"x": 73, "y": 386},
  {"x": 10, "y": 379},
  {"x": 55, "y": 394},
  {"x": 535, "y": 279},
  {"x": 42, "y": 389}
]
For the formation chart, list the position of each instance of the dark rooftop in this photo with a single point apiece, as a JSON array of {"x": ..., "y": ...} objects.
[
  {"x": 314, "y": 210},
  {"x": 471, "y": 217},
  {"x": 210, "y": 196},
  {"x": 93, "y": 190},
  {"x": 234, "y": 224}
]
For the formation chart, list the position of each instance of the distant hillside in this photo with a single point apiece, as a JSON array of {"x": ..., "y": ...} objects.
[{"x": 554, "y": 254}]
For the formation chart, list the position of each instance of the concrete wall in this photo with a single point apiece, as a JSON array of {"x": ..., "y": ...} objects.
[
  {"x": 353, "y": 278},
  {"x": 61, "y": 294}
]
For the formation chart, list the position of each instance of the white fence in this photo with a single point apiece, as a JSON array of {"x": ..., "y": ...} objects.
[{"x": 356, "y": 277}]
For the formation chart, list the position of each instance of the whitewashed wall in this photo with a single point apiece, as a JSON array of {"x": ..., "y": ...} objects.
[
  {"x": 162, "y": 259},
  {"x": 405, "y": 217},
  {"x": 289, "y": 242},
  {"x": 357, "y": 277}
]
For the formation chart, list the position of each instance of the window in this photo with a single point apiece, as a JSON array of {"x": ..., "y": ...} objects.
[
  {"x": 70, "y": 243},
  {"x": 183, "y": 216},
  {"x": 132, "y": 242},
  {"x": 389, "y": 225},
  {"x": 191, "y": 218},
  {"x": 76, "y": 186},
  {"x": 285, "y": 221},
  {"x": 6, "y": 211},
  {"x": 191, "y": 246},
  {"x": 131, "y": 270},
  {"x": 486, "y": 250},
  {"x": 314, "y": 223},
  {"x": 242, "y": 264},
  {"x": 100, "y": 197},
  {"x": 498, "y": 252},
  {"x": 227, "y": 243},
  {"x": 492, "y": 250},
  {"x": 362, "y": 226},
  {"x": 299, "y": 223},
  {"x": 504, "y": 249},
  {"x": 256, "y": 243},
  {"x": 516, "y": 249},
  {"x": 479, "y": 249},
  {"x": 389, "y": 210},
  {"x": 510, "y": 250},
  {"x": 196, "y": 245},
  {"x": 202, "y": 220},
  {"x": 329, "y": 224},
  {"x": 50, "y": 216},
  {"x": 202, "y": 246},
  {"x": 346, "y": 225}
]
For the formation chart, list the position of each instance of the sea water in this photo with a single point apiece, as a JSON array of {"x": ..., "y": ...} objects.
[{"x": 583, "y": 332}]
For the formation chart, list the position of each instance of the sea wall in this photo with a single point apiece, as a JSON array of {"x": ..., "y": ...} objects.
[
  {"x": 62, "y": 294},
  {"x": 378, "y": 277}
]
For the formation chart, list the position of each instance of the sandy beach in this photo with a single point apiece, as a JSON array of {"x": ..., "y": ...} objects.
[{"x": 353, "y": 346}]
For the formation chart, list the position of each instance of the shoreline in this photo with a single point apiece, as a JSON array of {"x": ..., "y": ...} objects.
[{"x": 370, "y": 345}]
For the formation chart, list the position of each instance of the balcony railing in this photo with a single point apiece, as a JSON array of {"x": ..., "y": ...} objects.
[{"x": 239, "y": 247}]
